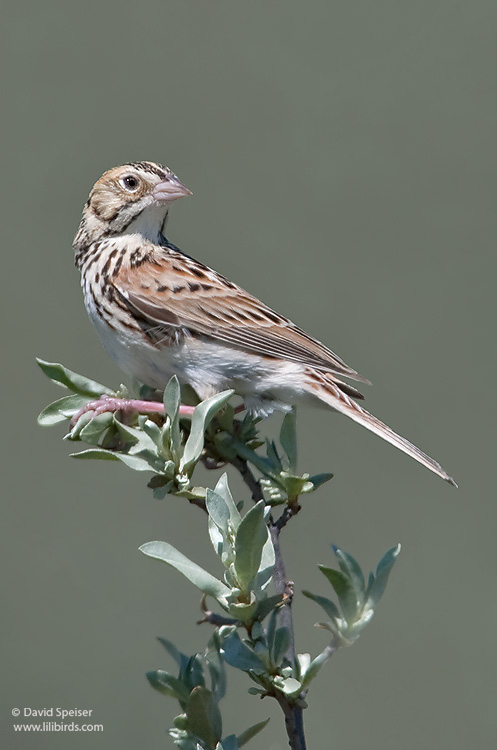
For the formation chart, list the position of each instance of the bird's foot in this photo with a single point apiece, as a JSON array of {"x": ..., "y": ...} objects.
[{"x": 126, "y": 405}]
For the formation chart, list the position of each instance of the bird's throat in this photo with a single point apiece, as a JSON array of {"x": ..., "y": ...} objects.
[{"x": 149, "y": 223}]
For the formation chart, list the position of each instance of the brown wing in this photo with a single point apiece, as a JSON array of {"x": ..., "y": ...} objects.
[{"x": 177, "y": 291}]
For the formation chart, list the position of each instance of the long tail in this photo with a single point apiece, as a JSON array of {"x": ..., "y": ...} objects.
[{"x": 332, "y": 393}]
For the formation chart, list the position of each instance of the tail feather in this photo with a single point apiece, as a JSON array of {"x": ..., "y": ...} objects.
[{"x": 331, "y": 393}]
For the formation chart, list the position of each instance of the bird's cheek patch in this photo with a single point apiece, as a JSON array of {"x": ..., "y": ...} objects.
[{"x": 105, "y": 205}]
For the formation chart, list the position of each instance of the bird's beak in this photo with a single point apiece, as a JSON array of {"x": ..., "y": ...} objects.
[{"x": 170, "y": 190}]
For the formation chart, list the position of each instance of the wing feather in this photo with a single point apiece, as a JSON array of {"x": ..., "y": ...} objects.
[{"x": 180, "y": 292}]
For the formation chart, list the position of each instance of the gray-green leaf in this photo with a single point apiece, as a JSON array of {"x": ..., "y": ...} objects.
[
  {"x": 198, "y": 576},
  {"x": 180, "y": 658},
  {"x": 288, "y": 439},
  {"x": 251, "y": 537},
  {"x": 316, "y": 665},
  {"x": 318, "y": 479},
  {"x": 62, "y": 409},
  {"x": 344, "y": 590},
  {"x": 281, "y": 644},
  {"x": 76, "y": 383},
  {"x": 172, "y": 401},
  {"x": 329, "y": 607},
  {"x": 251, "y": 732},
  {"x": 223, "y": 490},
  {"x": 94, "y": 430},
  {"x": 266, "y": 606},
  {"x": 237, "y": 654},
  {"x": 202, "y": 415},
  {"x": 134, "y": 462},
  {"x": 352, "y": 569},
  {"x": 216, "y": 666},
  {"x": 229, "y": 743},
  {"x": 382, "y": 573},
  {"x": 203, "y": 717},
  {"x": 218, "y": 510},
  {"x": 290, "y": 686},
  {"x": 168, "y": 685}
]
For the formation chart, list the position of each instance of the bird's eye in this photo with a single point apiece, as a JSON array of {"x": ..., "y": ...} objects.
[{"x": 130, "y": 183}]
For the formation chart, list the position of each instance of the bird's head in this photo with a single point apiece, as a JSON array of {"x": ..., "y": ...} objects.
[{"x": 132, "y": 198}]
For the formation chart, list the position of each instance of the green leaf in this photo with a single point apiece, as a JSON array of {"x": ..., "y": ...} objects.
[
  {"x": 168, "y": 685},
  {"x": 382, "y": 573},
  {"x": 135, "y": 435},
  {"x": 204, "y": 718},
  {"x": 281, "y": 644},
  {"x": 315, "y": 666},
  {"x": 183, "y": 741},
  {"x": 329, "y": 607},
  {"x": 202, "y": 416},
  {"x": 143, "y": 460},
  {"x": 217, "y": 539},
  {"x": 134, "y": 462},
  {"x": 318, "y": 479},
  {"x": 150, "y": 429},
  {"x": 266, "y": 566},
  {"x": 295, "y": 486},
  {"x": 251, "y": 537},
  {"x": 160, "y": 492},
  {"x": 179, "y": 722},
  {"x": 244, "y": 612},
  {"x": 266, "y": 606},
  {"x": 344, "y": 590},
  {"x": 172, "y": 401},
  {"x": 290, "y": 686},
  {"x": 257, "y": 691},
  {"x": 194, "y": 672},
  {"x": 273, "y": 456},
  {"x": 218, "y": 510},
  {"x": 198, "y": 576},
  {"x": 352, "y": 569},
  {"x": 303, "y": 663},
  {"x": 271, "y": 631},
  {"x": 94, "y": 430},
  {"x": 81, "y": 422},
  {"x": 263, "y": 464},
  {"x": 237, "y": 654},
  {"x": 96, "y": 453},
  {"x": 251, "y": 732},
  {"x": 180, "y": 659},
  {"x": 288, "y": 439},
  {"x": 263, "y": 577},
  {"x": 215, "y": 664},
  {"x": 229, "y": 743},
  {"x": 76, "y": 383},
  {"x": 369, "y": 585},
  {"x": 223, "y": 490},
  {"x": 62, "y": 409}
]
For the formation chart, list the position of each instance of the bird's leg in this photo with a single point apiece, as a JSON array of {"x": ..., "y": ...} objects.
[
  {"x": 131, "y": 405},
  {"x": 126, "y": 405}
]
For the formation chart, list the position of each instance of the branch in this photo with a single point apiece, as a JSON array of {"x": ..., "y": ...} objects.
[
  {"x": 241, "y": 465},
  {"x": 212, "y": 617},
  {"x": 290, "y": 511},
  {"x": 294, "y": 722}
]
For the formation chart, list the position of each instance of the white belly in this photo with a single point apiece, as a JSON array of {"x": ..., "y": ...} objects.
[{"x": 209, "y": 367}]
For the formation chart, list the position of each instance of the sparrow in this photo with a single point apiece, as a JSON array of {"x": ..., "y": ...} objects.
[{"x": 161, "y": 313}]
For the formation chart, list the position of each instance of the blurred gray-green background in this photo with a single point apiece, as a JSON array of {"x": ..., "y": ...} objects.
[{"x": 343, "y": 161}]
